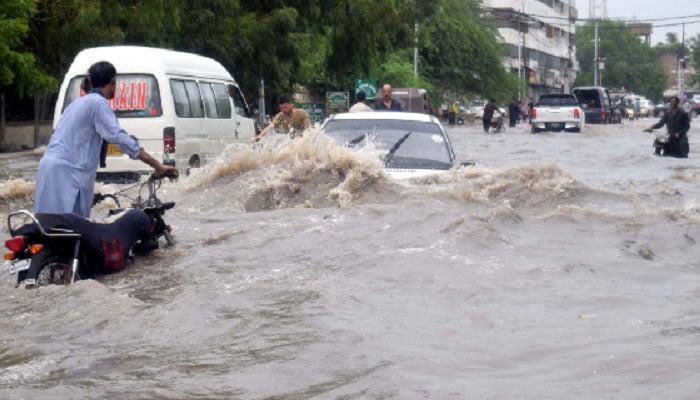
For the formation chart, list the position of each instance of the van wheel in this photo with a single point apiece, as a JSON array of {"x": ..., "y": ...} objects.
[{"x": 193, "y": 163}]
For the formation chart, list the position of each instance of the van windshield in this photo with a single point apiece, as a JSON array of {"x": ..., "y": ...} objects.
[{"x": 137, "y": 95}]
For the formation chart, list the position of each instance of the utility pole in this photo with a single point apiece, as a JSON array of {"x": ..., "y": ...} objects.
[
  {"x": 681, "y": 67},
  {"x": 595, "y": 56},
  {"x": 520, "y": 51},
  {"x": 415, "y": 52},
  {"x": 261, "y": 103},
  {"x": 592, "y": 7}
]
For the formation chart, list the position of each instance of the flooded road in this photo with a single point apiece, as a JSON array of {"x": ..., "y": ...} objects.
[{"x": 561, "y": 265}]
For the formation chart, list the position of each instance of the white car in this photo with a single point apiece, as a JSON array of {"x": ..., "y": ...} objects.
[
  {"x": 477, "y": 109},
  {"x": 411, "y": 144}
]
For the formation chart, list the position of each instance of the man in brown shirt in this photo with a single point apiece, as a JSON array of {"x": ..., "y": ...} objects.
[{"x": 289, "y": 120}]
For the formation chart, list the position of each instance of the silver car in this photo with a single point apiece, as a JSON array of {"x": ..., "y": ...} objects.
[{"x": 411, "y": 144}]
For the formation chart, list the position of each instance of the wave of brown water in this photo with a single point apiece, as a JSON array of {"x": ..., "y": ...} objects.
[{"x": 560, "y": 266}]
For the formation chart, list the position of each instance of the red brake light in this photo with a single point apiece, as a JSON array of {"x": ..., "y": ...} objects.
[
  {"x": 15, "y": 244},
  {"x": 169, "y": 139},
  {"x": 576, "y": 114},
  {"x": 602, "y": 113},
  {"x": 534, "y": 113}
]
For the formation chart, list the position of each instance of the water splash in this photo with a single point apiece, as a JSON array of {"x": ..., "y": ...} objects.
[
  {"x": 312, "y": 171},
  {"x": 16, "y": 189}
]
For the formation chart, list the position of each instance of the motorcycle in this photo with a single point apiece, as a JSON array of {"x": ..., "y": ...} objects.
[
  {"x": 660, "y": 143},
  {"x": 47, "y": 248},
  {"x": 497, "y": 122}
]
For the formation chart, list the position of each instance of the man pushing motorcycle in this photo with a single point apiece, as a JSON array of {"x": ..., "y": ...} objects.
[
  {"x": 677, "y": 124},
  {"x": 67, "y": 170}
]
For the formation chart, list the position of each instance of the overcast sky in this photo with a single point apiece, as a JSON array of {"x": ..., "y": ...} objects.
[{"x": 652, "y": 11}]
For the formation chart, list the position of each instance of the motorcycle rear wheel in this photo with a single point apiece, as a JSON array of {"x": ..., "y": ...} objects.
[{"x": 53, "y": 270}]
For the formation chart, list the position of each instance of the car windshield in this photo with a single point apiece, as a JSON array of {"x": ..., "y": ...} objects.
[{"x": 406, "y": 144}]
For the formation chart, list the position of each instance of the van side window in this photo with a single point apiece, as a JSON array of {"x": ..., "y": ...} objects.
[
  {"x": 209, "y": 102},
  {"x": 188, "y": 101},
  {"x": 216, "y": 102},
  {"x": 238, "y": 102},
  {"x": 223, "y": 104}
]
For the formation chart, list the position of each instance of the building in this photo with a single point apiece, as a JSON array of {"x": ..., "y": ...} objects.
[
  {"x": 540, "y": 39},
  {"x": 642, "y": 30}
]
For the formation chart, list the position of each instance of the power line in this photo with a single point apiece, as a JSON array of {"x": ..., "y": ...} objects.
[{"x": 616, "y": 20}]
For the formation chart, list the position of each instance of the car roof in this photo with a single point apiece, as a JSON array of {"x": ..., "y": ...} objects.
[
  {"x": 385, "y": 115},
  {"x": 598, "y": 88}
]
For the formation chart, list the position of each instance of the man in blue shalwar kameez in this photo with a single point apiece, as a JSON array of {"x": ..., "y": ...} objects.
[{"x": 67, "y": 170}]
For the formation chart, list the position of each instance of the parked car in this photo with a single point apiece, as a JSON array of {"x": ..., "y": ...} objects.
[
  {"x": 596, "y": 104},
  {"x": 411, "y": 144},
  {"x": 477, "y": 109}
]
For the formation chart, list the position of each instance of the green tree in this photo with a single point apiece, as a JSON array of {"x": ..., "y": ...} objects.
[
  {"x": 321, "y": 44},
  {"x": 629, "y": 63},
  {"x": 147, "y": 22},
  {"x": 62, "y": 28},
  {"x": 253, "y": 40},
  {"x": 463, "y": 54},
  {"x": 694, "y": 43},
  {"x": 671, "y": 38},
  {"x": 19, "y": 73}
]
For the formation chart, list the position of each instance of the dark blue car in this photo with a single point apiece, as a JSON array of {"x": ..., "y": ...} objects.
[{"x": 596, "y": 104}]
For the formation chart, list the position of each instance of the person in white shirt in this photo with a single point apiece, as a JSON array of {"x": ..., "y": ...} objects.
[{"x": 360, "y": 105}]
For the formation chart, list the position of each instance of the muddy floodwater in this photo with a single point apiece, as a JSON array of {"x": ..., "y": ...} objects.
[{"x": 560, "y": 266}]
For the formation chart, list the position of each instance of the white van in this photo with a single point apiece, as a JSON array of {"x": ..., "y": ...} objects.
[{"x": 183, "y": 108}]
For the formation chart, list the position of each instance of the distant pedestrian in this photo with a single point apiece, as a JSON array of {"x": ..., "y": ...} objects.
[
  {"x": 686, "y": 106},
  {"x": 530, "y": 106},
  {"x": 387, "y": 103},
  {"x": 524, "y": 111},
  {"x": 489, "y": 109},
  {"x": 360, "y": 106},
  {"x": 513, "y": 112},
  {"x": 454, "y": 109}
]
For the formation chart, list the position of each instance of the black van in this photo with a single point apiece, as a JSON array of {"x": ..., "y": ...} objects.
[{"x": 596, "y": 104}]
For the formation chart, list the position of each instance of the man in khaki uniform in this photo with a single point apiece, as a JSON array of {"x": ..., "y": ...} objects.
[{"x": 289, "y": 120}]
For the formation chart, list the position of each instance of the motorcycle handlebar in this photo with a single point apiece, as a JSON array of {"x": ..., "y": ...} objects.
[
  {"x": 171, "y": 174},
  {"x": 99, "y": 197}
]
